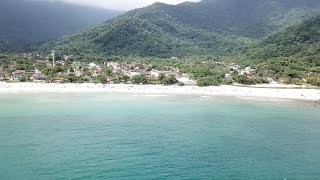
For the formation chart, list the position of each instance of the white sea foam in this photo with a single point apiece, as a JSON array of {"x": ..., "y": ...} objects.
[
  {"x": 263, "y": 99},
  {"x": 155, "y": 95}
]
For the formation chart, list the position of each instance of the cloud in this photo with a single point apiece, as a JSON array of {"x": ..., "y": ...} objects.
[{"x": 121, "y": 4}]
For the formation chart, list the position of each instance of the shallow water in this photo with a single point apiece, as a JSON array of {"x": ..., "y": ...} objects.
[{"x": 119, "y": 136}]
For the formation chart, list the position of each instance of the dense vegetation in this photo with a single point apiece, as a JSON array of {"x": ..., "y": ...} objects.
[
  {"x": 147, "y": 32},
  {"x": 204, "y": 73},
  {"x": 249, "y": 18},
  {"x": 209, "y": 28},
  {"x": 292, "y": 54},
  {"x": 25, "y": 21}
]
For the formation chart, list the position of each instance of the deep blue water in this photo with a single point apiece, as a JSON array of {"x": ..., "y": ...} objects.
[{"x": 98, "y": 136}]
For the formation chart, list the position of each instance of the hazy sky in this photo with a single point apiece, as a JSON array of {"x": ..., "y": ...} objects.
[{"x": 121, "y": 4}]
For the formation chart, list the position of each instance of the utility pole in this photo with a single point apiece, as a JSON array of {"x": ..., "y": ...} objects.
[{"x": 53, "y": 60}]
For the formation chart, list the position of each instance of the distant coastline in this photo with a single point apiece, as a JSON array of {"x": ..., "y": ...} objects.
[{"x": 280, "y": 92}]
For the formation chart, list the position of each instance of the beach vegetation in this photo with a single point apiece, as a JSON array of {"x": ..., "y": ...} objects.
[
  {"x": 314, "y": 80},
  {"x": 23, "y": 79},
  {"x": 208, "y": 81},
  {"x": 139, "y": 79},
  {"x": 169, "y": 80},
  {"x": 100, "y": 79},
  {"x": 71, "y": 78}
]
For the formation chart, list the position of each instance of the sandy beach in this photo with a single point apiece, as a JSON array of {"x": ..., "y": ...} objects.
[{"x": 281, "y": 93}]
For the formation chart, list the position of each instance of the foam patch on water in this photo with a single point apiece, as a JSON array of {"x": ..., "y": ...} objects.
[
  {"x": 205, "y": 96},
  {"x": 155, "y": 95},
  {"x": 264, "y": 99}
]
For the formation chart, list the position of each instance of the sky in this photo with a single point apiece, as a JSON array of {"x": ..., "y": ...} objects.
[{"x": 121, "y": 4}]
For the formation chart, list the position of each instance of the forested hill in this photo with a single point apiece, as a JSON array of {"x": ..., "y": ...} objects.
[
  {"x": 209, "y": 27},
  {"x": 292, "y": 53},
  {"x": 250, "y": 18},
  {"x": 24, "y": 21},
  {"x": 299, "y": 40}
]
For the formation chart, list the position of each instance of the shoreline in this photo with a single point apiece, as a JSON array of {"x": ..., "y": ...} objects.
[{"x": 224, "y": 90}]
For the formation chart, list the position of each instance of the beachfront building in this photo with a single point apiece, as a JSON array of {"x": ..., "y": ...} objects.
[
  {"x": 115, "y": 66},
  {"x": 174, "y": 74},
  {"x": 156, "y": 73},
  {"x": 78, "y": 73},
  {"x": 187, "y": 81},
  {"x": 17, "y": 75},
  {"x": 248, "y": 71},
  {"x": 58, "y": 80},
  {"x": 271, "y": 80},
  {"x": 134, "y": 73},
  {"x": 92, "y": 65},
  {"x": 234, "y": 68},
  {"x": 38, "y": 77},
  {"x": 95, "y": 72}
]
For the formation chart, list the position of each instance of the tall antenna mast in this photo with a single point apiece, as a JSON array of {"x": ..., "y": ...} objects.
[{"x": 53, "y": 58}]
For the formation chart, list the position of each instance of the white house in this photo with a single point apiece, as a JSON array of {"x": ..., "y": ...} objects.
[
  {"x": 156, "y": 73},
  {"x": 78, "y": 73},
  {"x": 186, "y": 81},
  {"x": 271, "y": 81},
  {"x": 134, "y": 73},
  {"x": 227, "y": 76},
  {"x": 113, "y": 65},
  {"x": 92, "y": 65},
  {"x": 17, "y": 75}
]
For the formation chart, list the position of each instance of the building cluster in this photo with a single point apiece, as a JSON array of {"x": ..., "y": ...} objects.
[
  {"x": 236, "y": 69},
  {"x": 46, "y": 70},
  {"x": 33, "y": 75},
  {"x": 133, "y": 69},
  {"x": 59, "y": 70},
  {"x": 18, "y": 75}
]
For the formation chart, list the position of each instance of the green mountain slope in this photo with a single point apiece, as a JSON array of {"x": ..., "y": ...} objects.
[
  {"x": 299, "y": 40},
  {"x": 147, "y": 32},
  {"x": 207, "y": 28},
  {"x": 293, "y": 53},
  {"x": 250, "y": 18}
]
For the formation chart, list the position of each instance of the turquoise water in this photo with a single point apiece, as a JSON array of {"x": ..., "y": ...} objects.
[{"x": 98, "y": 136}]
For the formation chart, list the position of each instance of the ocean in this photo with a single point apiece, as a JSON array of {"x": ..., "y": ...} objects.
[{"x": 126, "y": 136}]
